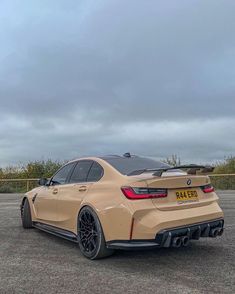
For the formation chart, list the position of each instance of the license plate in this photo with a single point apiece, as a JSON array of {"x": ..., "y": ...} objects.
[{"x": 186, "y": 196}]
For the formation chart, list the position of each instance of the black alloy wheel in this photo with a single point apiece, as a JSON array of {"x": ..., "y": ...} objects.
[
  {"x": 90, "y": 235},
  {"x": 26, "y": 214}
]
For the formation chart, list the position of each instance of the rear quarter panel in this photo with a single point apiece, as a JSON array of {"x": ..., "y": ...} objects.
[{"x": 115, "y": 216}]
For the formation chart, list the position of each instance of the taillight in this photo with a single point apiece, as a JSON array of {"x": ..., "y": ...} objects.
[
  {"x": 143, "y": 193},
  {"x": 208, "y": 189}
]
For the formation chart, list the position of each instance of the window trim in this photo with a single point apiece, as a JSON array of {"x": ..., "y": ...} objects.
[{"x": 90, "y": 170}]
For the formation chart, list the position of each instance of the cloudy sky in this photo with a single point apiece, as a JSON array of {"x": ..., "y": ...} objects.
[{"x": 109, "y": 76}]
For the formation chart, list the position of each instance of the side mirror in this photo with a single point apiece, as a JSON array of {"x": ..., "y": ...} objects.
[{"x": 42, "y": 182}]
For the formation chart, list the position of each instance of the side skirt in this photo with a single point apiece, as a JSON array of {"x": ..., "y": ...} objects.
[
  {"x": 56, "y": 231},
  {"x": 132, "y": 244}
]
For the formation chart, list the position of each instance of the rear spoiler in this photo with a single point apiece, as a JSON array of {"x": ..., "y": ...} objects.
[{"x": 191, "y": 169}]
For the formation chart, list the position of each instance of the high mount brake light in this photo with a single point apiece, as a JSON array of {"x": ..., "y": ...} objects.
[
  {"x": 208, "y": 189},
  {"x": 143, "y": 193}
]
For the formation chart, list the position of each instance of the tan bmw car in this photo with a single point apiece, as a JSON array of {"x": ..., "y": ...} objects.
[{"x": 124, "y": 202}]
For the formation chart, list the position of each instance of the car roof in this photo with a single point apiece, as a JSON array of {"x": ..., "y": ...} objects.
[
  {"x": 127, "y": 163},
  {"x": 104, "y": 157}
]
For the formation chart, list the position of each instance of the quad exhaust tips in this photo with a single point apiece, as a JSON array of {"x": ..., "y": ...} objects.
[
  {"x": 182, "y": 236},
  {"x": 184, "y": 240}
]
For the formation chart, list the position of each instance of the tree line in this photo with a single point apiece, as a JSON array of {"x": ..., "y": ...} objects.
[{"x": 46, "y": 168}]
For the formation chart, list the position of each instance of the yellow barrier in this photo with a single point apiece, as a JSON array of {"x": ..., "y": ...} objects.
[
  {"x": 34, "y": 181},
  {"x": 220, "y": 175},
  {"x": 20, "y": 180}
]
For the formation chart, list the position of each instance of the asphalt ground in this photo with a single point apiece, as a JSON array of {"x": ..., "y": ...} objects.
[{"x": 32, "y": 261}]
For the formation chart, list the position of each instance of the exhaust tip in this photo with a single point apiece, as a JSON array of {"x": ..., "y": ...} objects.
[
  {"x": 220, "y": 232},
  {"x": 185, "y": 241},
  {"x": 176, "y": 242},
  {"x": 214, "y": 232}
]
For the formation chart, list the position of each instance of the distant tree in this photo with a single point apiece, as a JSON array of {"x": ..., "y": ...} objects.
[
  {"x": 11, "y": 172},
  {"x": 173, "y": 160}
]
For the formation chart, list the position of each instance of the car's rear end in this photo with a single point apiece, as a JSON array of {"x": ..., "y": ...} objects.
[{"x": 170, "y": 209}]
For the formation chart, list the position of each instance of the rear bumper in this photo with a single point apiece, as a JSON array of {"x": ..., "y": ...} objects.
[
  {"x": 195, "y": 232},
  {"x": 165, "y": 237}
]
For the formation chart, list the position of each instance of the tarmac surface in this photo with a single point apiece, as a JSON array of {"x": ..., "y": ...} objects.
[{"x": 32, "y": 261}]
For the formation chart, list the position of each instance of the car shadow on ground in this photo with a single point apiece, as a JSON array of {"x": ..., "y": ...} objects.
[
  {"x": 200, "y": 252},
  {"x": 197, "y": 266}
]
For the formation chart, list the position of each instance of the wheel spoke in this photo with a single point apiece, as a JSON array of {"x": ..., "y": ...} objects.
[
  {"x": 86, "y": 244},
  {"x": 83, "y": 222},
  {"x": 88, "y": 231},
  {"x": 93, "y": 242},
  {"x": 95, "y": 234}
]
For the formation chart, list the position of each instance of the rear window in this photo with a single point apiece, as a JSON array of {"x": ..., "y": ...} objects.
[
  {"x": 96, "y": 173},
  {"x": 81, "y": 171},
  {"x": 127, "y": 165}
]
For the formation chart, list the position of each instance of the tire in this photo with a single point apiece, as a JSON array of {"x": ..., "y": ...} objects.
[
  {"x": 26, "y": 215},
  {"x": 90, "y": 235}
]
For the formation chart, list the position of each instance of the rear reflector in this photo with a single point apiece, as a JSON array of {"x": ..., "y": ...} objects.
[
  {"x": 143, "y": 193},
  {"x": 208, "y": 189}
]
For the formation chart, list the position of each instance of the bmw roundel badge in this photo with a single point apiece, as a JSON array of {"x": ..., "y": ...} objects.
[{"x": 189, "y": 182}]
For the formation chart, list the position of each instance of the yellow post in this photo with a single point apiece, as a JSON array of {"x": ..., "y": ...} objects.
[{"x": 27, "y": 185}]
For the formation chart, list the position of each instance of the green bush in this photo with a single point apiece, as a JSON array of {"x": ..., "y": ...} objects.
[
  {"x": 225, "y": 167},
  {"x": 40, "y": 169},
  {"x": 224, "y": 182}
]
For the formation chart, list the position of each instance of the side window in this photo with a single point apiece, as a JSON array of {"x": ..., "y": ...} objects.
[
  {"x": 96, "y": 172},
  {"x": 61, "y": 176},
  {"x": 81, "y": 171}
]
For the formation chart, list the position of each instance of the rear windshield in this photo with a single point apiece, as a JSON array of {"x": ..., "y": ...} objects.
[{"x": 128, "y": 165}]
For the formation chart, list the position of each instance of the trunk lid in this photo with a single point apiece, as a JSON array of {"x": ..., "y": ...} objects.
[{"x": 181, "y": 185}]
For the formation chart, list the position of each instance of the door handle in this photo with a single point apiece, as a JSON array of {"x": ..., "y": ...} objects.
[
  {"x": 82, "y": 188},
  {"x": 55, "y": 191}
]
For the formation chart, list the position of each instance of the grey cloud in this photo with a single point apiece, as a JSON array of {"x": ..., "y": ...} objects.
[{"x": 76, "y": 76}]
